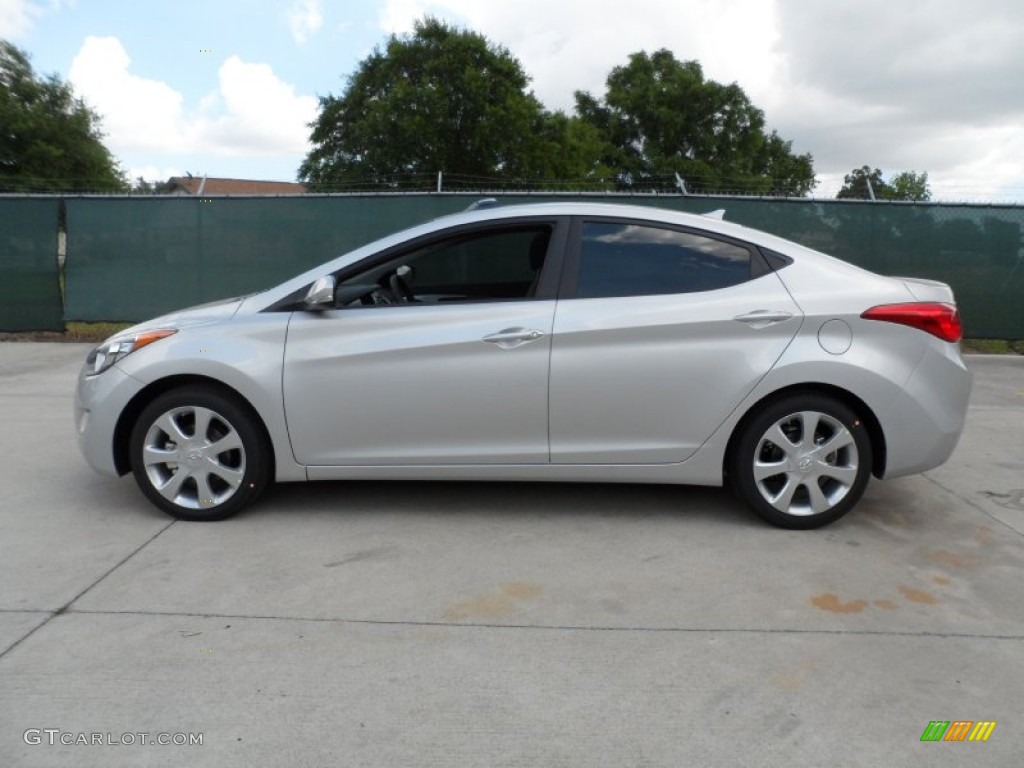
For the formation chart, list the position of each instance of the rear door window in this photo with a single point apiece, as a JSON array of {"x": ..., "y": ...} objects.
[{"x": 631, "y": 259}]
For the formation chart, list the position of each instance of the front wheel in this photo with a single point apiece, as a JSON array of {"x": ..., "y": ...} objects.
[
  {"x": 802, "y": 462},
  {"x": 198, "y": 455}
]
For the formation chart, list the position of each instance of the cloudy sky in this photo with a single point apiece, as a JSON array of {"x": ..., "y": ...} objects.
[{"x": 227, "y": 87}]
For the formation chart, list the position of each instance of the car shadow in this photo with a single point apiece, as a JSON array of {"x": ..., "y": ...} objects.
[{"x": 607, "y": 500}]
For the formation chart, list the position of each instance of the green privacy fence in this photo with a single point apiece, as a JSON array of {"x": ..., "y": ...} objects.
[
  {"x": 133, "y": 258},
  {"x": 29, "y": 279}
]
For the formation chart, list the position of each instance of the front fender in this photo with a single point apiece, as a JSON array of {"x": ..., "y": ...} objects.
[{"x": 245, "y": 354}]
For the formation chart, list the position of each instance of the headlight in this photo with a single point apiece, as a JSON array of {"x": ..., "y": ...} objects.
[{"x": 112, "y": 350}]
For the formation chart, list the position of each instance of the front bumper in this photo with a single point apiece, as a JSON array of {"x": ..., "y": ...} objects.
[{"x": 99, "y": 402}]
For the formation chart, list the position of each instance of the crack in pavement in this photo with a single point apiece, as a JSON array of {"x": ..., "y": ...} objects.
[
  {"x": 970, "y": 502},
  {"x": 67, "y": 606},
  {"x": 553, "y": 627}
]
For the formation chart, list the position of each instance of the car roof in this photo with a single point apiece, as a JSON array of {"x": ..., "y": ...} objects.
[
  {"x": 618, "y": 210},
  {"x": 651, "y": 213},
  {"x": 712, "y": 221},
  {"x": 497, "y": 213}
]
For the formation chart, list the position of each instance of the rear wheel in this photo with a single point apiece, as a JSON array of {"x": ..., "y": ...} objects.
[
  {"x": 803, "y": 461},
  {"x": 198, "y": 455}
]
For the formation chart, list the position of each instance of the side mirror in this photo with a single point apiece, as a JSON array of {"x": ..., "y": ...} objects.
[{"x": 321, "y": 295}]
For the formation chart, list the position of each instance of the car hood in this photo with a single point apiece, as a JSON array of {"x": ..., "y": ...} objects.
[{"x": 200, "y": 314}]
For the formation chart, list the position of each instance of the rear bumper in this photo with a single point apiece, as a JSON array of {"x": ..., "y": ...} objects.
[{"x": 923, "y": 425}]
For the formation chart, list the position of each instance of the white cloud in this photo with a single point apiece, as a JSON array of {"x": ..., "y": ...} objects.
[
  {"x": 884, "y": 84},
  {"x": 17, "y": 17},
  {"x": 152, "y": 172},
  {"x": 891, "y": 84},
  {"x": 252, "y": 112},
  {"x": 990, "y": 166},
  {"x": 573, "y": 44},
  {"x": 264, "y": 115},
  {"x": 397, "y": 16},
  {"x": 304, "y": 18},
  {"x": 138, "y": 113}
]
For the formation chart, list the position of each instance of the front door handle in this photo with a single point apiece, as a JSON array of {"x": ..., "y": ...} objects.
[
  {"x": 509, "y": 338},
  {"x": 762, "y": 318}
]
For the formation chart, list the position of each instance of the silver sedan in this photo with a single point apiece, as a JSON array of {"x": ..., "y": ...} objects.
[{"x": 563, "y": 342}]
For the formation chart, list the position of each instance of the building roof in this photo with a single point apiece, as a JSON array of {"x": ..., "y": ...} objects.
[{"x": 208, "y": 185}]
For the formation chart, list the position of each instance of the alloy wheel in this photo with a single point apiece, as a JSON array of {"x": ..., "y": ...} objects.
[
  {"x": 194, "y": 457},
  {"x": 805, "y": 463}
]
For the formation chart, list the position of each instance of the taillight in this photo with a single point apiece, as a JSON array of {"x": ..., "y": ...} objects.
[{"x": 942, "y": 320}]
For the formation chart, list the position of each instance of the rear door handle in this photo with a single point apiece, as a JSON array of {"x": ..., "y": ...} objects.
[
  {"x": 762, "y": 318},
  {"x": 509, "y": 338}
]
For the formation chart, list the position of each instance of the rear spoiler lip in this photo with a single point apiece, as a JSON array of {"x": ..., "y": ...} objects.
[{"x": 924, "y": 289}]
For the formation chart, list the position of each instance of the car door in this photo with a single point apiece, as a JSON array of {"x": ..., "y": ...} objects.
[
  {"x": 661, "y": 332},
  {"x": 441, "y": 358}
]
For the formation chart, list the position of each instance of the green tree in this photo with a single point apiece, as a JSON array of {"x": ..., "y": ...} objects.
[
  {"x": 909, "y": 185},
  {"x": 441, "y": 99},
  {"x": 567, "y": 153},
  {"x": 863, "y": 183},
  {"x": 860, "y": 183},
  {"x": 660, "y": 117},
  {"x": 49, "y": 139}
]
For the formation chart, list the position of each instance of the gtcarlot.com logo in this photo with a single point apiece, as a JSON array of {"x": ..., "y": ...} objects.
[
  {"x": 958, "y": 730},
  {"x": 55, "y": 736}
]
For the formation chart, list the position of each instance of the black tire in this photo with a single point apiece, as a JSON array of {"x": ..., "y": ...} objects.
[
  {"x": 226, "y": 467},
  {"x": 814, "y": 486}
]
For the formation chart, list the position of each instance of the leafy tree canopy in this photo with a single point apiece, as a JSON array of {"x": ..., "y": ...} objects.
[
  {"x": 660, "y": 117},
  {"x": 907, "y": 185},
  {"x": 863, "y": 183},
  {"x": 49, "y": 140},
  {"x": 442, "y": 99}
]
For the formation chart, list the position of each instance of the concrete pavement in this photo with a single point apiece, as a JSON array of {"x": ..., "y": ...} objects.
[{"x": 393, "y": 624}]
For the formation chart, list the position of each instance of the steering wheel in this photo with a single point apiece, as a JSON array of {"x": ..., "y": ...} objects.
[{"x": 400, "y": 289}]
